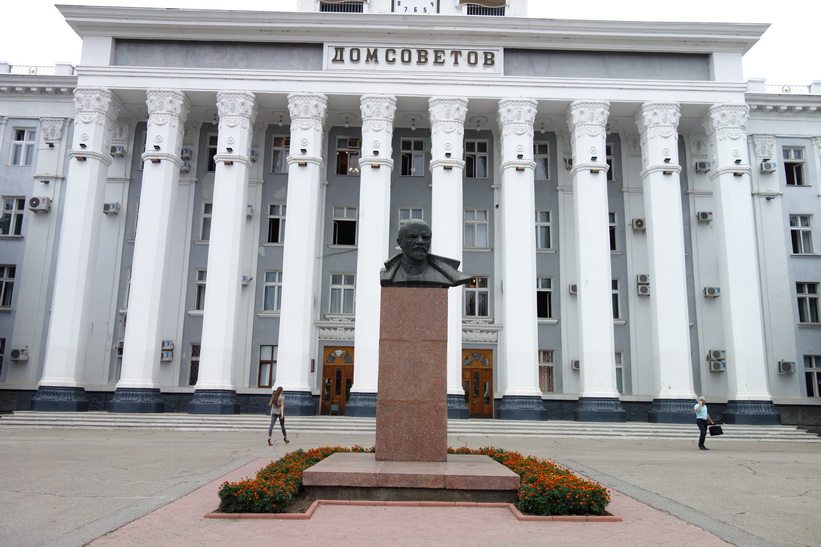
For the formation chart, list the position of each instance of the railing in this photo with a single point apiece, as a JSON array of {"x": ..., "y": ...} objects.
[
  {"x": 63, "y": 69},
  {"x": 787, "y": 88}
]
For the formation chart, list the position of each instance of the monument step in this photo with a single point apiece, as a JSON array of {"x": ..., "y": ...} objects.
[{"x": 345, "y": 425}]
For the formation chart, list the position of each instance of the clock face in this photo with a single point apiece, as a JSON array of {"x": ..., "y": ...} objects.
[{"x": 415, "y": 6}]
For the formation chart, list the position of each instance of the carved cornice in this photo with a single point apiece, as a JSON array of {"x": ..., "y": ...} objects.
[
  {"x": 516, "y": 116},
  {"x": 96, "y": 106},
  {"x": 726, "y": 121},
  {"x": 764, "y": 146},
  {"x": 587, "y": 118},
  {"x": 52, "y": 129},
  {"x": 335, "y": 333},
  {"x": 308, "y": 111},
  {"x": 378, "y": 112},
  {"x": 236, "y": 109},
  {"x": 447, "y": 115},
  {"x": 658, "y": 120},
  {"x": 167, "y": 107}
]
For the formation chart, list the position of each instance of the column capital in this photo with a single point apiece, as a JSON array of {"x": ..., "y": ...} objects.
[
  {"x": 658, "y": 120},
  {"x": 764, "y": 146},
  {"x": 587, "y": 116},
  {"x": 52, "y": 129},
  {"x": 447, "y": 114},
  {"x": 236, "y": 108},
  {"x": 726, "y": 121},
  {"x": 377, "y": 112},
  {"x": 516, "y": 116},
  {"x": 96, "y": 106},
  {"x": 308, "y": 110},
  {"x": 167, "y": 106}
]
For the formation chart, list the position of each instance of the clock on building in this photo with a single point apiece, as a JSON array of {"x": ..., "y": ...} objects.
[{"x": 415, "y": 6}]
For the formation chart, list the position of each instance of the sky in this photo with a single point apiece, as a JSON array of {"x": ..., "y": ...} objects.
[{"x": 34, "y": 32}]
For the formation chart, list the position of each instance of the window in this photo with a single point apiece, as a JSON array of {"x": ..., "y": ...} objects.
[
  {"x": 346, "y": 6},
  {"x": 613, "y": 229},
  {"x": 6, "y": 285},
  {"x": 409, "y": 213},
  {"x": 136, "y": 218},
  {"x": 347, "y": 156},
  {"x": 276, "y": 223},
  {"x": 808, "y": 302},
  {"x": 279, "y": 154},
  {"x": 11, "y": 223},
  {"x": 801, "y": 234},
  {"x": 205, "y": 226},
  {"x": 608, "y": 153},
  {"x": 544, "y": 298},
  {"x": 272, "y": 292},
  {"x": 546, "y": 378},
  {"x": 194, "y": 365},
  {"x": 541, "y": 156},
  {"x": 794, "y": 166},
  {"x": 210, "y": 152},
  {"x": 342, "y": 293},
  {"x": 543, "y": 224},
  {"x": 477, "y": 298},
  {"x": 199, "y": 291},
  {"x": 267, "y": 366},
  {"x": 619, "y": 372},
  {"x": 476, "y": 229},
  {"x": 812, "y": 373},
  {"x": 127, "y": 291},
  {"x": 476, "y": 159},
  {"x": 413, "y": 158},
  {"x": 119, "y": 355},
  {"x": 2, "y": 353},
  {"x": 616, "y": 306},
  {"x": 344, "y": 226},
  {"x": 22, "y": 147}
]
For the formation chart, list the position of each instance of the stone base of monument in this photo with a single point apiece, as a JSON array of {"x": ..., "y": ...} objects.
[{"x": 463, "y": 477}]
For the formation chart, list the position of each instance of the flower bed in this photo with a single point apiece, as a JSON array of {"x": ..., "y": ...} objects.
[{"x": 546, "y": 488}]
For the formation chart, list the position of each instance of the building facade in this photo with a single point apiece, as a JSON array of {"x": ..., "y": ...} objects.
[{"x": 201, "y": 211}]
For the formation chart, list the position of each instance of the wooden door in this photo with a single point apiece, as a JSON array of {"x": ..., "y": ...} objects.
[
  {"x": 477, "y": 381},
  {"x": 337, "y": 379}
]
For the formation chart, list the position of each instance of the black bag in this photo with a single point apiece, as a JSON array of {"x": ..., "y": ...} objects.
[{"x": 716, "y": 430}]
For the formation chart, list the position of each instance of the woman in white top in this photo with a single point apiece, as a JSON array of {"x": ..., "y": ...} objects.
[{"x": 277, "y": 404}]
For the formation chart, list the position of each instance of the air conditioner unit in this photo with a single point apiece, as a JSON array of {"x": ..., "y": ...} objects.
[
  {"x": 643, "y": 279},
  {"x": 117, "y": 150},
  {"x": 40, "y": 205},
  {"x": 111, "y": 208},
  {"x": 19, "y": 355},
  {"x": 718, "y": 366},
  {"x": 643, "y": 290},
  {"x": 575, "y": 365},
  {"x": 639, "y": 224},
  {"x": 185, "y": 167},
  {"x": 704, "y": 216},
  {"x": 166, "y": 356},
  {"x": 573, "y": 289},
  {"x": 713, "y": 292},
  {"x": 568, "y": 163},
  {"x": 249, "y": 211},
  {"x": 246, "y": 279},
  {"x": 786, "y": 367},
  {"x": 186, "y": 154},
  {"x": 253, "y": 155},
  {"x": 716, "y": 355},
  {"x": 768, "y": 166},
  {"x": 167, "y": 345},
  {"x": 702, "y": 166}
]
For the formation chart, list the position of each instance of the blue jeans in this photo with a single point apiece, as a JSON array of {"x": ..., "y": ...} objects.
[{"x": 281, "y": 424}]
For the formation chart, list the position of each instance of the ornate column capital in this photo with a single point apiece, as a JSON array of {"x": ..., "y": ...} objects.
[
  {"x": 726, "y": 121},
  {"x": 96, "y": 106},
  {"x": 587, "y": 117},
  {"x": 378, "y": 112},
  {"x": 308, "y": 110},
  {"x": 516, "y": 116},
  {"x": 167, "y": 106},
  {"x": 764, "y": 146},
  {"x": 658, "y": 120},
  {"x": 236, "y": 108},
  {"x": 447, "y": 114}
]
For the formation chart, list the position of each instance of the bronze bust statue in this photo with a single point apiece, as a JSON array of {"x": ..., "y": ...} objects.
[{"x": 416, "y": 267}]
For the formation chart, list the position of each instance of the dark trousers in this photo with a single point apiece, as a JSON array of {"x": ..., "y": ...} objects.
[
  {"x": 281, "y": 424},
  {"x": 702, "y": 430}
]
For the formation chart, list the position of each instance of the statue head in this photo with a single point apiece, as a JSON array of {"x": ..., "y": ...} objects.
[{"x": 414, "y": 239}]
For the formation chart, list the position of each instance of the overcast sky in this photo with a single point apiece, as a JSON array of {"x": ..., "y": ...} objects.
[{"x": 34, "y": 32}]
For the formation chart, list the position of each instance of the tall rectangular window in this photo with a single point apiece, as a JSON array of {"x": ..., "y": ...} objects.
[
  {"x": 279, "y": 154},
  {"x": 272, "y": 292},
  {"x": 544, "y": 298},
  {"x": 199, "y": 290},
  {"x": 413, "y": 157},
  {"x": 194, "y": 365},
  {"x": 619, "y": 371},
  {"x": 127, "y": 291},
  {"x": 276, "y": 223},
  {"x": 794, "y": 165},
  {"x": 136, "y": 219},
  {"x": 801, "y": 234},
  {"x": 210, "y": 152},
  {"x": 809, "y": 302},
  {"x": 343, "y": 289},
  {"x": 11, "y": 223},
  {"x": 608, "y": 153},
  {"x": 409, "y": 213},
  {"x": 476, "y": 229},
  {"x": 205, "y": 224},
  {"x": 616, "y": 299},
  {"x": 6, "y": 285},
  {"x": 267, "y": 366},
  {"x": 541, "y": 155},
  {"x": 812, "y": 375},
  {"x": 476, "y": 159},
  {"x": 22, "y": 147},
  {"x": 613, "y": 231},
  {"x": 347, "y": 156},
  {"x": 546, "y": 377},
  {"x": 344, "y": 226},
  {"x": 543, "y": 226},
  {"x": 477, "y": 298}
]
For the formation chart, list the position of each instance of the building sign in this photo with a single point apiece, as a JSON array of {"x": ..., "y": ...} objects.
[{"x": 412, "y": 59}]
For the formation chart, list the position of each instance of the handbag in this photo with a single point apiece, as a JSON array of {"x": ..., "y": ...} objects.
[{"x": 716, "y": 430}]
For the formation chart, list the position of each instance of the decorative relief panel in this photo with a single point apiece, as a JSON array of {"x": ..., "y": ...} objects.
[
  {"x": 764, "y": 146},
  {"x": 52, "y": 129},
  {"x": 630, "y": 139},
  {"x": 122, "y": 132}
]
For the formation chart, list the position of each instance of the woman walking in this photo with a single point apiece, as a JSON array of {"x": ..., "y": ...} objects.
[
  {"x": 277, "y": 404},
  {"x": 701, "y": 419}
]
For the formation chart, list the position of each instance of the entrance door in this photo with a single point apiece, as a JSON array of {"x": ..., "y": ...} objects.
[
  {"x": 477, "y": 381},
  {"x": 337, "y": 379}
]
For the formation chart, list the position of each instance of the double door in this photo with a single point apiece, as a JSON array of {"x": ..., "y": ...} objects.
[
  {"x": 477, "y": 381},
  {"x": 337, "y": 379}
]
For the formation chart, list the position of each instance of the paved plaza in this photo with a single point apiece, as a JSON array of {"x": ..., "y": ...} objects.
[{"x": 69, "y": 487}]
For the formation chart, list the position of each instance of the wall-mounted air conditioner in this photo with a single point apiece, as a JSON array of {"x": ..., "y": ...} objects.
[
  {"x": 39, "y": 205},
  {"x": 186, "y": 154},
  {"x": 702, "y": 166},
  {"x": 643, "y": 290},
  {"x": 768, "y": 166},
  {"x": 573, "y": 289},
  {"x": 575, "y": 364},
  {"x": 643, "y": 279},
  {"x": 716, "y": 355},
  {"x": 167, "y": 345},
  {"x": 704, "y": 216},
  {"x": 117, "y": 150},
  {"x": 19, "y": 355},
  {"x": 786, "y": 367},
  {"x": 111, "y": 208},
  {"x": 712, "y": 292},
  {"x": 718, "y": 366},
  {"x": 185, "y": 167},
  {"x": 639, "y": 225}
]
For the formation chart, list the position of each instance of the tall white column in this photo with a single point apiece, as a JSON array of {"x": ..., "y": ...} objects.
[
  {"x": 138, "y": 388},
  {"x": 749, "y": 398},
  {"x": 447, "y": 121},
  {"x": 375, "y": 168},
  {"x": 300, "y": 265},
  {"x": 599, "y": 401},
  {"x": 224, "y": 282},
  {"x": 69, "y": 328},
  {"x": 669, "y": 332},
  {"x": 519, "y": 348}
]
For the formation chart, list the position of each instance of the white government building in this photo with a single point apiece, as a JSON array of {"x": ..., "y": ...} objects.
[{"x": 199, "y": 211}]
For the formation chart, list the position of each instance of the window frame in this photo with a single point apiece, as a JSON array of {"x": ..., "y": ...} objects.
[
  {"x": 15, "y": 216},
  {"x": 809, "y": 302},
  {"x": 277, "y": 215},
  {"x": 544, "y": 230},
  {"x": 547, "y": 370},
  {"x": 7, "y": 275},
  {"x": 22, "y": 146},
  {"x": 406, "y": 214},
  {"x": 194, "y": 353},
  {"x": 794, "y": 172},
  {"x": 618, "y": 358},
  {"x": 270, "y": 364},
  {"x": 541, "y": 155},
  {"x": 200, "y": 281},
  {"x": 272, "y": 285},
  {"x": 801, "y": 234},
  {"x": 410, "y": 157},
  {"x": 812, "y": 375},
  {"x": 544, "y": 291},
  {"x": 344, "y": 214},
  {"x": 473, "y": 157},
  {"x": 477, "y": 296},
  {"x": 342, "y": 294},
  {"x": 613, "y": 230},
  {"x": 476, "y": 223},
  {"x": 616, "y": 299},
  {"x": 206, "y": 214},
  {"x": 347, "y": 154},
  {"x": 280, "y": 150},
  {"x": 211, "y": 144}
]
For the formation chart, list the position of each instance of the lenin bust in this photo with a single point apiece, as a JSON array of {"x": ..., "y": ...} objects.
[{"x": 416, "y": 267}]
